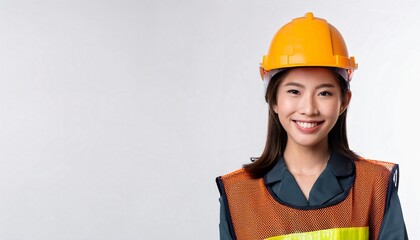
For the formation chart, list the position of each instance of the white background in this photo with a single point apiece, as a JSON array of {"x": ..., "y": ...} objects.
[{"x": 116, "y": 116}]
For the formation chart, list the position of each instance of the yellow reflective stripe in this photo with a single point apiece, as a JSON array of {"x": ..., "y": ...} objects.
[{"x": 355, "y": 233}]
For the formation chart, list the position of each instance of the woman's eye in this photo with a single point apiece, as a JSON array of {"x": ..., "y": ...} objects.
[
  {"x": 325, "y": 93},
  {"x": 293, "y": 91}
]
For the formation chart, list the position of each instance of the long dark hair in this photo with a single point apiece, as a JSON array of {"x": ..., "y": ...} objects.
[{"x": 277, "y": 136}]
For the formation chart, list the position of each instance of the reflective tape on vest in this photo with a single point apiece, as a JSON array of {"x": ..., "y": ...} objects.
[{"x": 355, "y": 233}]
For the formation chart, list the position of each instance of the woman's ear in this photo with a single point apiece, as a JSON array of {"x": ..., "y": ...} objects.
[
  {"x": 275, "y": 108},
  {"x": 346, "y": 102}
]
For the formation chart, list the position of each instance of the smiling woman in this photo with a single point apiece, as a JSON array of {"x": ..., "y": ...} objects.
[
  {"x": 308, "y": 183},
  {"x": 308, "y": 104}
]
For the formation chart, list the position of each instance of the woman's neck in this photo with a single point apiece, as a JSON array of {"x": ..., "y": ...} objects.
[{"x": 304, "y": 160}]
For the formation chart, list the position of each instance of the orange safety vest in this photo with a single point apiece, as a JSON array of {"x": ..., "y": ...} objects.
[{"x": 255, "y": 214}]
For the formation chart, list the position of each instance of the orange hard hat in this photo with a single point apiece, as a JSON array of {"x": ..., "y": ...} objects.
[{"x": 308, "y": 42}]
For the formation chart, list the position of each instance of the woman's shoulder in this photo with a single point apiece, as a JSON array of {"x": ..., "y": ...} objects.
[
  {"x": 238, "y": 179},
  {"x": 375, "y": 165},
  {"x": 378, "y": 171},
  {"x": 240, "y": 173}
]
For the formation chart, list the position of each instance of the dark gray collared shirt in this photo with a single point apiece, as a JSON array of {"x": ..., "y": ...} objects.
[{"x": 330, "y": 188}]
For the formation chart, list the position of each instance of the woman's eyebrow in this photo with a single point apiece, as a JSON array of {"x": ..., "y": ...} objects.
[
  {"x": 294, "y": 84},
  {"x": 324, "y": 85}
]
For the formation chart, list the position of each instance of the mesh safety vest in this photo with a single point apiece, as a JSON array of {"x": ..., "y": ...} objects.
[{"x": 256, "y": 214}]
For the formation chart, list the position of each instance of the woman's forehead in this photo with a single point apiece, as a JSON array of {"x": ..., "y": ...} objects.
[{"x": 310, "y": 76}]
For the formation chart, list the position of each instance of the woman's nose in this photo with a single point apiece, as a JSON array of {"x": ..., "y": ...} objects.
[{"x": 308, "y": 106}]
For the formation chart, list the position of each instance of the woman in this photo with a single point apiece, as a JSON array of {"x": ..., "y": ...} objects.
[{"x": 308, "y": 184}]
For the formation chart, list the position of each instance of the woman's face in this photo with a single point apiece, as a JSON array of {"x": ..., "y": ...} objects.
[{"x": 309, "y": 103}]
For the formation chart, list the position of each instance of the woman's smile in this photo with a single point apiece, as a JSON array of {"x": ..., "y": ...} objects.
[{"x": 308, "y": 126}]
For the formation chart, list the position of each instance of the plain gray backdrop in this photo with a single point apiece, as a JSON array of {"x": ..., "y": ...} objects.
[{"x": 116, "y": 116}]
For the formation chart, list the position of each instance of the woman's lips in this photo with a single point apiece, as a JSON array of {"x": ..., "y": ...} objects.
[{"x": 308, "y": 126}]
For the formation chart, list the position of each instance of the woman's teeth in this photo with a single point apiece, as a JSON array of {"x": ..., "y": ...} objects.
[{"x": 306, "y": 124}]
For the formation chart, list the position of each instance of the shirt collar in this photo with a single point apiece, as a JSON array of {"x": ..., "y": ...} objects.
[
  {"x": 277, "y": 172},
  {"x": 340, "y": 165}
]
